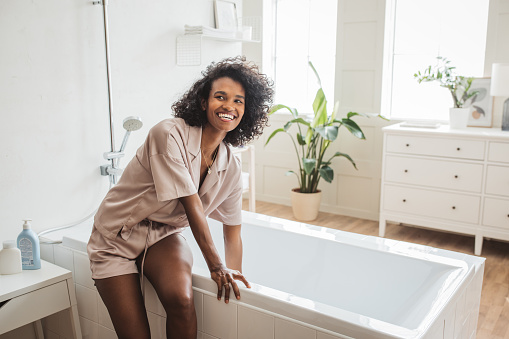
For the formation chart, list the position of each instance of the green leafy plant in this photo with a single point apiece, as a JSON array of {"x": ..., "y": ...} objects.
[
  {"x": 311, "y": 146},
  {"x": 459, "y": 86}
]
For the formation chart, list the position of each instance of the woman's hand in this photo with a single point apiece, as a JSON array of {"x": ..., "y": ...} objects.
[{"x": 223, "y": 277}]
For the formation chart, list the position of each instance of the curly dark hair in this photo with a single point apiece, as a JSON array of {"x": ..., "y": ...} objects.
[{"x": 259, "y": 94}]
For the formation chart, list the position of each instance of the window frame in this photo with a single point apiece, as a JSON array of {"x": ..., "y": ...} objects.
[{"x": 388, "y": 66}]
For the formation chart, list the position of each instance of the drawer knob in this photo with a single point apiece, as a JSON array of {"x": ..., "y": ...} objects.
[
  {"x": 456, "y": 176},
  {"x": 404, "y": 200},
  {"x": 407, "y": 145},
  {"x": 406, "y": 171},
  {"x": 454, "y": 207},
  {"x": 458, "y": 149}
]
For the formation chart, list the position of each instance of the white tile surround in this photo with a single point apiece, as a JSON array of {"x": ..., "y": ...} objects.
[
  {"x": 234, "y": 321},
  {"x": 216, "y": 320}
]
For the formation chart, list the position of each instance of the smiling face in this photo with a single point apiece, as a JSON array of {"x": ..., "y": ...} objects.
[{"x": 225, "y": 104}]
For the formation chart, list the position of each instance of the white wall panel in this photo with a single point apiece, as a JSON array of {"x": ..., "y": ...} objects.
[
  {"x": 82, "y": 272},
  {"x": 359, "y": 79},
  {"x": 87, "y": 303},
  {"x": 103, "y": 315},
  {"x": 198, "y": 306},
  {"x": 219, "y": 319},
  {"x": 358, "y": 90},
  {"x": 157, "y": 325},
  {"x": 290, "y": 330},
  {"x": 276, "y": 182},
  {"x": 502, "y": 36},
  {"x": 497, "y": 48},
  {"x": 329, "y": 195},
  {"x": 359, "y": 7},
  {"x": 358, "y": 149},
  {"x": 353, "y": 192},
  {"x": 360, "y": 41},
  {"x": 89, "y": 329},
  {"x": 504, "y": 6},
  {"x": 106, "y": 333},
  {"x": 254, "y": 324}
]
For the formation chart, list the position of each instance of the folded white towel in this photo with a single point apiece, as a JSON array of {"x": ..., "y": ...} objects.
[{"x": 209, "y": 31}]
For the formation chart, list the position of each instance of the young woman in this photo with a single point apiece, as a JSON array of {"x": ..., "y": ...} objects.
[{"x": 183, "y": 173}]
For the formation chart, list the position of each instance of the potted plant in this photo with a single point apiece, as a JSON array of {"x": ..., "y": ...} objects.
[
  {"x": 459, "y": 87},
  {"x": 311, "y": 141}
]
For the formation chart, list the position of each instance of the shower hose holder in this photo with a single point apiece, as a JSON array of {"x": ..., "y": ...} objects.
[{"x": 130, "y": 124}]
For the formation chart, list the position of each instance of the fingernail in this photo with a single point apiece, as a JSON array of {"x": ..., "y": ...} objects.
[{"x": 238, "y": 298}]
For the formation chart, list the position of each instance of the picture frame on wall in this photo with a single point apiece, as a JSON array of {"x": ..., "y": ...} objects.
[
  {"x": 481, "y": 112},
  {"x": 225, "y": 13}
]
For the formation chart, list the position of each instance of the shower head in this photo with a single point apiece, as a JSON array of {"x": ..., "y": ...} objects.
[{"x": 132, "y": 123}]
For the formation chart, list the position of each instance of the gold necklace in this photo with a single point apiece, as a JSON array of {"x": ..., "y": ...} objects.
[{"x": 213, "y": 158}]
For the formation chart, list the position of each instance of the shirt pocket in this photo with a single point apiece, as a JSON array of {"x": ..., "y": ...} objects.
[{"x": 126, "y": 232}]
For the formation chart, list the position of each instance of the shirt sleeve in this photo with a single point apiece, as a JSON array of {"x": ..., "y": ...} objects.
[
  {"x": 172, "y": 179},
  {"x": 170, "y": 171}
]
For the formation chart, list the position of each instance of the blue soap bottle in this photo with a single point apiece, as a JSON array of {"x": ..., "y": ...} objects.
[{"x": 28, "y": 244}]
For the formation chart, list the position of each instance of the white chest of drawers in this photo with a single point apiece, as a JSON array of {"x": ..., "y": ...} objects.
[{"x": 451, "y": 180}]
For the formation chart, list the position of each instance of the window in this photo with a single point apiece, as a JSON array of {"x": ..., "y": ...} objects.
[
  {"x": 416, "y": 33},
  {"x": 305, "y": 31}
]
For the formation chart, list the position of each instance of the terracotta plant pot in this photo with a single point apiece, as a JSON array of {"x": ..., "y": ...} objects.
[{"x": 305, "y": 205}]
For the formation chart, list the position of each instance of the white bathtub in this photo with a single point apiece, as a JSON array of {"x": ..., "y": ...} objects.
[{"x": 314, "y": 282}]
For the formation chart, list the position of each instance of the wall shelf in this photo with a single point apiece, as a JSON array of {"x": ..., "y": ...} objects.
[{"x": 189, "y": 46}]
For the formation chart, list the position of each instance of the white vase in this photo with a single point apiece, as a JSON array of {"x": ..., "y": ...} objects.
[
  {"x": 458, "y": 117},
  {"x": 305, "y": 205}
]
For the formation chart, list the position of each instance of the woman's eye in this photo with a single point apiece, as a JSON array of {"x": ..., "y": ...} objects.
[
  {"x": 239, "y": 101},
  {"x": 220, "y": 97}
]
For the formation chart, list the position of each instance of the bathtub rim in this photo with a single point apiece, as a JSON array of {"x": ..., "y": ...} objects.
[{"x": 77, "y": 238}]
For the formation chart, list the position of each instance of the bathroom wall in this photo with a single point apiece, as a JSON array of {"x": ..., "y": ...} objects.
[{"x": 54, "y": 96}]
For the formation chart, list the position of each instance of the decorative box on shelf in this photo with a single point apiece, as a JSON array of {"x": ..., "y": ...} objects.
[{"x": 451, "y": 180}]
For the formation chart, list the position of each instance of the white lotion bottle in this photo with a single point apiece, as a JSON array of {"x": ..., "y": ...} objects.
[
  {"x": 28, "y": 244},
  {"x": 10, "y": 258}
]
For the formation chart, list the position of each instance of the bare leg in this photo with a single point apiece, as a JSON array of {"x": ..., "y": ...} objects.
[
  {"x": 123, "y": 299},
  {"x": 168, "y": 267}
]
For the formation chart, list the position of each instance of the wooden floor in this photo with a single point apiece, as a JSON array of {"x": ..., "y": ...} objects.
[{"x": 494, "y": 310}]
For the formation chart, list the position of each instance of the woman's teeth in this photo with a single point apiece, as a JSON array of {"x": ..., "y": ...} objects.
[{"x": 226, "y": 116}]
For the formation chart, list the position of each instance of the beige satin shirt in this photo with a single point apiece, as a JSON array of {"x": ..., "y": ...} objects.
[{"x": 165, "y": 168}]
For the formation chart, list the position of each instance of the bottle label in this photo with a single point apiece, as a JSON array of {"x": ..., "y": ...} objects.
[{"x": 27, "y": 252}]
